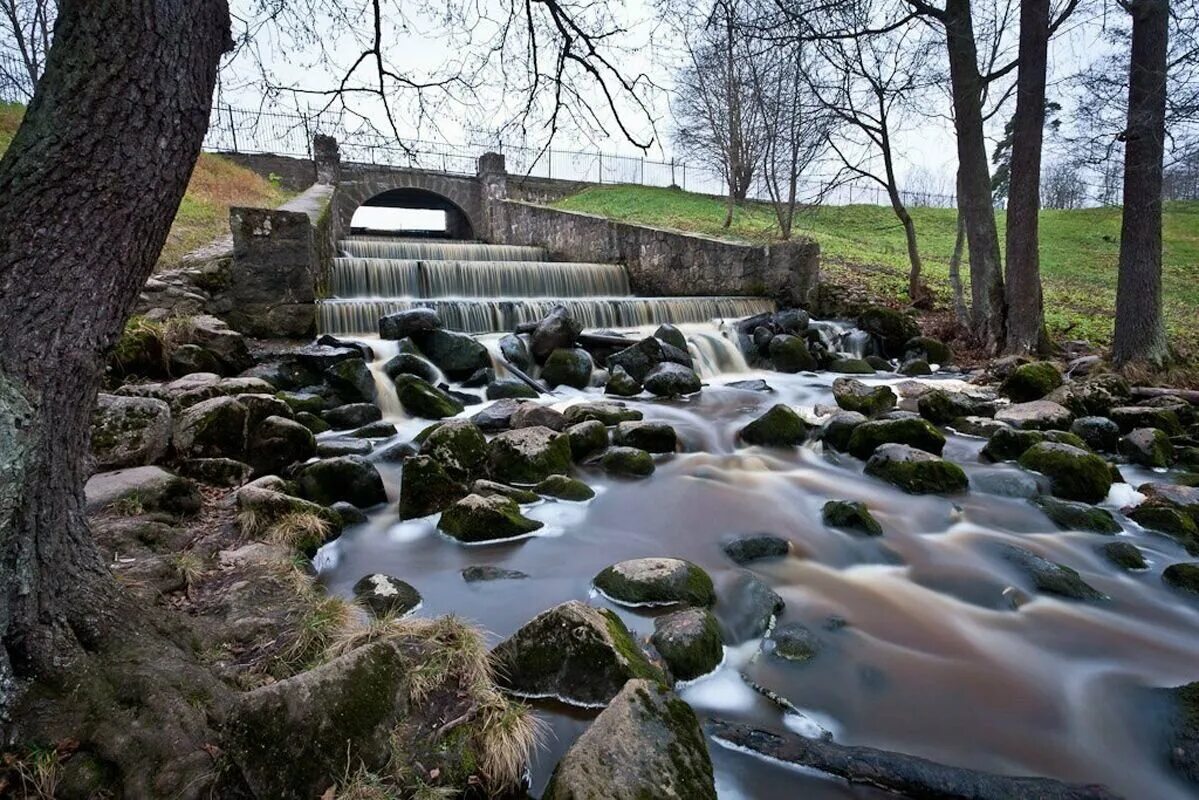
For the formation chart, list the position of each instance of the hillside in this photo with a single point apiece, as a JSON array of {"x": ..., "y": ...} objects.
[
  {"x": 215, "y": 186},
  {"x": 864, "y": 244}
]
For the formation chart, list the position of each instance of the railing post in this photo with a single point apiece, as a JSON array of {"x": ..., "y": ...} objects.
[
  {"x": 643, "y": 170},
  {"x": 599, "y": 160},
  {"x": 684, "y": 176},
  {"x": 232, "y": 128}
]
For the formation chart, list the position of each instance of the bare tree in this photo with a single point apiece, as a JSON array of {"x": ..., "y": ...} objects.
[
  {"x": 1062, "y": 186},
  {"x": 26, "y": 28}
]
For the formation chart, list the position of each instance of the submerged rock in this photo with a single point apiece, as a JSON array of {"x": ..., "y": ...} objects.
[
  {"x": 386, "y": 596},
  {"x": 916, "y": 471},
  {"x": 1077, "y": 516},
  {"x": 646, "y": 744},
  {"x": 747, "y": 607},
  {"x": 1124, "y": 555},
  {"x": 778, "y": 427},
  {"x": 1167, "y": 520},
  {"x": 529, "y": 455},
  {"x": 913, "y": 431},
  {"x": 426, "y": 488},
  {"x": 486, "y": 573},
  {"x": 750, "y": 547},
  {"x": 689, "y": 641},
  {"x": 1183, "y": 576},
  {"x": 656, "y": 581},
  {"x": 793, "y": 642},
  {"x": 853, "y": 395},
  {"x": 485, "y": 518},
  {"x": 573, "y": 652},
  {"x": 852, "y": 515},
  {"x": 1048, "y": 576},
  {"x": 1073, "y": 473}
]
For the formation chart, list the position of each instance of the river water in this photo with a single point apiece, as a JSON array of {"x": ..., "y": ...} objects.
[{"x": 922, "y": 652}]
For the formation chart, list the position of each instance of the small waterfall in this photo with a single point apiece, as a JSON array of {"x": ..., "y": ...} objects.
[
  {"x": 425, "y": 249},
  {"x": 843, "y": 337},
  {"x": 714, "y": 353},
  {"x": 388, "y": 401},
  {"x": 375, "y": 277},
  {"x": 390, "y": 277}
]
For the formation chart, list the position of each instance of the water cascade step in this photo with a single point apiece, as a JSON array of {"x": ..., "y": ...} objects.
[{"x": 482, "y": 288}]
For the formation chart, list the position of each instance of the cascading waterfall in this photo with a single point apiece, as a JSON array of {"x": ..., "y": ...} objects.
[{"x": 482, "y": 288}]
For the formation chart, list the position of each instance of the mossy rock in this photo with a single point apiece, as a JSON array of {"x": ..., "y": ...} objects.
[
  {"x": 385, "y": 596},
  {"x": 510, "y": 389},
  {"x": 852, "y": 515},
  {"x": 929, "y": 349},
  {"x": 1077, "y": 516},
  {"x": 529, "y": 455},
  {"x": 352, "y": 380},
  {"x": 851, "y": 366},
  {"x": 485, "y": 518},
  {"x": 790, "y": 354},
  {"x": 349, "y": 478},
  {"x": 517, "y": 494},
  {"x": 853, "y": 395},
  {"x": 838, "y": 429},
  {"x": 780, "y": 426},
  {"x": 913, "y": 431},
  {"x": 1099, "y": 433},
  {"x": 587, "y": 438},
  {"x": 647, "y": 744},
  {"x": 1073, "y": 473},
  {"x": 277, "y": 443},
  {"x": 1124, "y": 555},
  {"x": 139, "y": 350},
  {"x": 458, "y": 355},
  {"x": 421, "y": 399},
  {"x": 793, "y": 642},
  {"x": 745, "y": 548},
  {"x": 669, "y": 379},
  {"x": 630, "y": 462},
  {"x": 568, "y": 367},
  {"x": 1182, "y": 724},
  {"x": 312, "y": 422},
  {"x": 573, "y": 652},
  {"x": 914, "y": 368},
  {"x": 1029, "y": 382},
  {"x": 653, "y": 437},
  {"x": 564, "y": 488},
  {"x": 1183, "y": 576},
  {"x": 1040, "y": 415},
  {"x": 1169, "y": 521},
  {"x": 426, "y": 488},
  {"x": 891, "y": 329},
  {"x": 656, "y": 581},
  {"x": 1008, "y": 444},
  {"x": 689, "y": 641},
  {"x": 1133, "y": 417},
  {"x": 129, "y": 431},
  {"x": 608, "y": 413},
  {"x": 460, "y": 447},
  {"x": 941, "y": 407},
  {"x": 212, "y": 428},
  {"x": 1148, "y": 447},
  {"x": 352, "y": 415},
  {"x": 1047, "y": 576},
  {"x": 621, "y": 383},
  {"x": 916, "y": 471}
]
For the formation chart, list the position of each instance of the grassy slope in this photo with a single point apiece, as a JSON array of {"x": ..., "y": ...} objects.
[
  {"x": 864, "y": 244},
  {"x": 215, "y": 186}
]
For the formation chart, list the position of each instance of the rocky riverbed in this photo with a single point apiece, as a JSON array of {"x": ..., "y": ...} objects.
[{"x": 775, "y": 527}]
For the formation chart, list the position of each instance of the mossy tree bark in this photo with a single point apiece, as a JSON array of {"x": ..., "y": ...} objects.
[
  {"x": 1140, "y": 331},
  {"x": 88, "y": 191}
]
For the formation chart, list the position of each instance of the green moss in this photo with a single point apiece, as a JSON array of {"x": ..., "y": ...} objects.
[
  {"x": 790, "y": 354},
  {"x": 625, "y": 645},
  {"x": 932, "y": 476},
  {"x": 848, "y": 514},
  {"x": 1077, "y": 516},
  {"x": 1031, "y": 382},
  {"x": 780, "y": 426},
  {"x": 1073, "y": 474},
  {"x": 422, "y": 399},
  {"x": 851, "y": 366},
  {"x": 891, "y": 328},
  {"x": 1124, "y": 555},
  {"x": 929, "y": 349},
  {"x": 1169, "y": 521},
  {"x": 630, "y": 461},
  {"x": 918, "y": 433},
  {"x": 680, "y": 582},
  {"x": 478, "y": 518},
  {"x": 564, "y": 488},
  {"x": 1184, "y": 576},
  {"x": 689, "y": 641}
]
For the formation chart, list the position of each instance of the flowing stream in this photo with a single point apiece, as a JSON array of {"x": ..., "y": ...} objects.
[{"x": 921, "y": 650}]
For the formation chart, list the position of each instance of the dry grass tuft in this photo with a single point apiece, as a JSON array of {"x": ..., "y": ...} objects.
[{"x": 299, "y": 530}]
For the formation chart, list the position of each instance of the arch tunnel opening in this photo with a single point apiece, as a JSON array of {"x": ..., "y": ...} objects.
[{"x": 412, "y": 213}]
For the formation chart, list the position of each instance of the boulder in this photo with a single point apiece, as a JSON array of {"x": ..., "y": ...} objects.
[
  {"x": 426, "y": 488},
  {"x": 780, "y": 426},
  {"x": 422, "y": 399},
  {"x": 187, "y": 359},
  {"x": 653, "y": 437},
  {"x": 216, "y": 471},
  {"x": 929, "y": 349},
  {"x": 838, "y": 429},
  {"x": 891, "y": 329},
  {"x": 915, "y": 367},
  {"x": 519, "y": 495},
  {"x": 459, "y": 446},
  {"x": 1183, "y": 576},
  {"x": 1169, "y": 521},
  {"x": 318, "y": 357},
  {"x": 211, "y": 428},
  {"x": 403, "y": 324},
  {"x": 349, "y": 478},
  {"x": 143, "y": 489},
  {"x": 349, "y": 513},
  {"x": 914, "y": 431},
  {"x": 411, "y": 364},
  {"x": 516, "y": 352},
  {"x": 1099, "y": 433},
  {"x": 983, "y": 427},
  {"x": 689, "y": 642},
  {"x": 261, "y": 406},
  {"x": 646, "y": 744},
  {"x": 749, "y": 547},
  {"x": 669, "y": 379},
  {"x": 656, "y": 582},
  {"x": 1046, "y": 576},
  {"x": 375, "y": 430},
  {"x": 1029, "y": 382},
  {"x": 1073, "y": 516},
  {"x": 671, "y": 335},
  {"x": 1040, "y": 415},
  {"x": 1124, "y": 555},
  {"x": 530, "y": 415},
  {"x": 621, "y": 383},
  {"x": 227, "y": 345},
  {"x": 851, "y": 366},
  {"x": 304, "y": 401},
  {"x": 1073, "y": 473},
  {"x": 574, "y": 653},
  {"x": 941, "y": 406},
  {"x": 564, "y": 488},
  {"x": 606, "y": 412},
  {"x": 588, "y": 438},
  {"x": 627, "y": 461},
  {"x": 485, "y": 518},
  {"x": 853, "y": 395},
  {"x": 1148, "y": 447},
  {"x": 556, "y": 331},
  {"x": 458, "y": 355},
  {"x": 506, "y": 388},
  {"x": 790, "y": 354},
  {"x": 277, "y": 443},
  {"x": 1132, "y": 417},
  {"x": 568, "y": 367},
  {"x": 333, "y": 448},
  {"x": 497, "y": 416},
  {"x": 1008, "y": 444},
  {"x": 529, "y": 455},
  {"x": 852, "y": 515},
  {"x": 1183, "y": 498},
  {"x": 747, "y": 607},
  {"x": 385, "y": 596},
  {"x": 792, "y": 642},
  {"x": 352, "y": 415},
  {"x": 485, "y": 573},
  {"x": 1094, "y": 396},
  {"x": 915, "y": 471},
  {"x": 352, "y": 380},
  {"x": 129, "y": 431}
]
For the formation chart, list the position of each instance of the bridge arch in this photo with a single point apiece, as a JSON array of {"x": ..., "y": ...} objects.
[{"x": 459, "y": 196}]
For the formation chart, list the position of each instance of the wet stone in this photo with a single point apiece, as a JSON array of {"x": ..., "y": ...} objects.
[
  {"x": 749, "y": 547},
  {"x": 386, "y": 596}
]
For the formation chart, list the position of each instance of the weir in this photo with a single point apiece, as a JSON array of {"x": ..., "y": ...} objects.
[{"x": 483, "y": 288}]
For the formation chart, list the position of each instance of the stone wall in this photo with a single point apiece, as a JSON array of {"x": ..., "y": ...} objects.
[
  {"x": 294, "y": 174},
  {"x": 662, "y": 262}
]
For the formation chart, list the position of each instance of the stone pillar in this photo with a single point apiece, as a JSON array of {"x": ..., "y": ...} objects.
[
  {"x": 493, "y": 181},
  {"x": 273, "y": 273},
  {"x": 327, "y": 157}
]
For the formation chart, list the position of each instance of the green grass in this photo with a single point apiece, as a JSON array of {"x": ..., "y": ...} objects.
[
  {"x": 215, "y": 186},
  {"x": 865, "y": 245}
]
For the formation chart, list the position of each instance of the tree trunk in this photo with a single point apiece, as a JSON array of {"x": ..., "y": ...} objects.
[
  {"x": 1140, "y": 331},
  {"x": 989, "y": 313},
  {"x": 1026, "y": 313},
  {"x": 917, "y": 291},
  {"x": 960, "y": 310},
  {"x": 88, "y": 190}
]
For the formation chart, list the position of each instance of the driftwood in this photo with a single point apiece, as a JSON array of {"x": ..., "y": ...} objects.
[
  {"x": 906, "y": 775},
  {"x": 604, "y": 340},
  {"x": 524, "y": 377},
  {"x": 1190, "y": 395}
]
